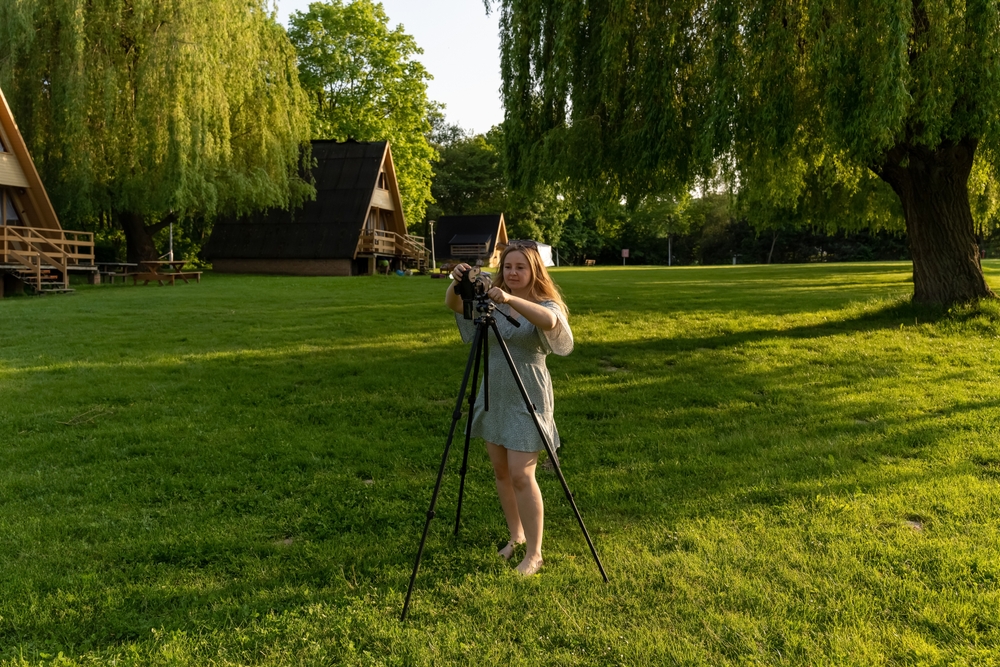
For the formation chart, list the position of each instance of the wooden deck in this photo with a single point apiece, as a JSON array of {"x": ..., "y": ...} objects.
[
  {"x": 43, "y": 258},
  {"x": 391, "y": 244}
]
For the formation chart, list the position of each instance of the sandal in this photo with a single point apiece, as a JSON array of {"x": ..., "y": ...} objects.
[{"x": 503, "y": 546}]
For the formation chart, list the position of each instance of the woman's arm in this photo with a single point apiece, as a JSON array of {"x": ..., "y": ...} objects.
[{"x": 537, "y": 314}]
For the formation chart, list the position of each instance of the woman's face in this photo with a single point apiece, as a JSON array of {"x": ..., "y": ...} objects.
[{"x": 516, "y": 271}]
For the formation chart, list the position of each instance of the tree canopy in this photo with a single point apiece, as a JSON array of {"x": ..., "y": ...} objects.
[
  {"x": 469, "y": 179},
  {"x": 149, "y": 111},
  {"x": 777, "y": 97},
  {"x": 364, "y": 84}
]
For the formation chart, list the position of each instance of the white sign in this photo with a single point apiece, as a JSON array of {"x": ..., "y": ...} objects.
[{"x": 624, "y": 253}]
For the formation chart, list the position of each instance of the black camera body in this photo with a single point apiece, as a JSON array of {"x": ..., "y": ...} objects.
[{"x": 475, "y": 283}]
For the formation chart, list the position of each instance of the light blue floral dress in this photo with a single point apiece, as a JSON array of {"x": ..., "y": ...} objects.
[{"x": 508, "y": 422}]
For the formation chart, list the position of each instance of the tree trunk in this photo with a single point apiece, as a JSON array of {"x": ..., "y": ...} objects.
[
  {"x": 139, "y": 243},
  {"x": 932, "y": 184}
]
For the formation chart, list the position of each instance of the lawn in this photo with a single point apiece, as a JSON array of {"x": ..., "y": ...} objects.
[{"x": 780, "y": 465}]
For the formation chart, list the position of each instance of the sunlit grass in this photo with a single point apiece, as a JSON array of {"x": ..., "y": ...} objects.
[{"x": 779, "y": 465}]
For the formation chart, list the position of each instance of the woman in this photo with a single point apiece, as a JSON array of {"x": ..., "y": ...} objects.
[{"x": 526, "y": 292}]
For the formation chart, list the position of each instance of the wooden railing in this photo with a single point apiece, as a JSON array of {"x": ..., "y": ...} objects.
[
  {"x": 377, "y": 241},
  {"x": 389, "y": 243},
  {"x": 32, "y": 250},
  {"x": 413, "y": 246},
  {"x": 470, "y": 250}
]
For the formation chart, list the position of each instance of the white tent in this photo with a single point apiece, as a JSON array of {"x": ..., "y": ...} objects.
[{"x": 546, "y": 252}]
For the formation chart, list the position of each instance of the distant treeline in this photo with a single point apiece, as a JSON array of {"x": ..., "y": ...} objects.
[{"x": 712, "y": 244}]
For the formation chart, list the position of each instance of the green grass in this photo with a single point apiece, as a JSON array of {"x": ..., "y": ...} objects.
[{"x": 779, "y": 465}]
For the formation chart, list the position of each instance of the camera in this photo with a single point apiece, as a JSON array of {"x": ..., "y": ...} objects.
[{"x": 475, "y": 283}]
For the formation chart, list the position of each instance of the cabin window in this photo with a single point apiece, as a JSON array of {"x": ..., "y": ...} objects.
[
  {"x": 2, "y": 149},
  {"x": 381, "y": 180},
  {"x": 377, "y": 219},
  {"x": 9, "y": 212}
]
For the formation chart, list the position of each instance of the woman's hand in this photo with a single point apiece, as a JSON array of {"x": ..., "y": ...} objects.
[
  {"x": 498, "y": 295},
  {"x": 451, "y": 299},
  {"x": 459, "y": 271}
]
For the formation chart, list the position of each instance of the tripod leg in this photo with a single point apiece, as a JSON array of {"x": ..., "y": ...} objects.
[
  {"x": 548, "y": 447},
  {"x": 468, "y": 426},
  {"x": 486, "y": 370},
  {"x": 473, "y": 354}
]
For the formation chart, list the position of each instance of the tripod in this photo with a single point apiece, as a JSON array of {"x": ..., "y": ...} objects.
[{"x": 480, "y": 351}]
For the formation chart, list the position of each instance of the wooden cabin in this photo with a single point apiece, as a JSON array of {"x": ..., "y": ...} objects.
[
  {"x": 475, "y": 239},
  {"x": 35, "y": 251},
  {"x": 355, "y": 222}
]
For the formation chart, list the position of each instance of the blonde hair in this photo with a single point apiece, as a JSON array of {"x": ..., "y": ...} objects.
[{"x": 542, "y": 287}]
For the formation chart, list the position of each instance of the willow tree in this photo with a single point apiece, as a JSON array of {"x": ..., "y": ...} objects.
[
  {"x": 150, "y": 111},
  {"x": 647, "y": 95},
  {"x": 365, "y": 84}
]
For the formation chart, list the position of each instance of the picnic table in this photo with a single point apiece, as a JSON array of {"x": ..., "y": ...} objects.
[
  {"x": 162, "y": 270},
  {"x": 112, "y": 270}
]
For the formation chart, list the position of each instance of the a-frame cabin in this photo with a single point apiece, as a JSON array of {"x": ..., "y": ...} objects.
[
  {"x": 476, "y": 239},
  {"x": 355, "y": 222},
  {"x": 34, "y": 249}
]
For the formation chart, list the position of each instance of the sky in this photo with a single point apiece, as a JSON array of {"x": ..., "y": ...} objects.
[{"x": 461, "y": 50}]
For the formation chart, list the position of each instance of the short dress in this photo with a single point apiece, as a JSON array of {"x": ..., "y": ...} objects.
[{"x": 508, "y": 422}]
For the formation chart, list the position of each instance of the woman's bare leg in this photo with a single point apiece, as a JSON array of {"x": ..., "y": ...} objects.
[
  {"x": 521, "y": 467},
  {"x": 498, "y": 456}
]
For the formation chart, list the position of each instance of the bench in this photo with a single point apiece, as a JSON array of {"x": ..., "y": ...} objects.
[
  {"x": 162, "y": 271},
  {"x": 184, "y": 275},
  {"x": 111, "y": 275},
  {"x": 112, "y": 270}
]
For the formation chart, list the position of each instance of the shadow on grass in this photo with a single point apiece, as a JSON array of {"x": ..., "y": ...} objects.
[{"x": 203, "y": 503}]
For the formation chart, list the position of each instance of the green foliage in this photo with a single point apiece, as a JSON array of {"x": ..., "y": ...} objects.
[
  {"x": 779, "y": 466},
  {"x": 364, "y": 84},
  {"x": 538, "y": 214},
  {"x": 984, "y": 194},
  {"x": 155, "y": 106},
  {"x": 711, "y": 229},
  {"x": 468, "y": 179},
  {"x": 789, "y": 102}
]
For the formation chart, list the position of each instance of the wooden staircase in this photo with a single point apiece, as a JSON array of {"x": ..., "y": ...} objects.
[
  {"x": 42, "y": 259},
  {"x": 413, "y": 247}
]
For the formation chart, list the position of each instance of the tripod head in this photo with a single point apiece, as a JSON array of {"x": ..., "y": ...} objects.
[
  {"x": 485, "y": 306},
  {"x": 474, "y": 288}
]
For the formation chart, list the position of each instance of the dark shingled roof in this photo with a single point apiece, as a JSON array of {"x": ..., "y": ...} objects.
[
  {"x": 327, "y": 228},
  {"x": 465, "y": 229}
]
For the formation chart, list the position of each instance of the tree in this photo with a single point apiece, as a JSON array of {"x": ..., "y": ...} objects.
[
  {"x": 152, "y": 111},
  {"x": 365, "y": 85},
  {"x": 468, "y": 178},
  {"x": 650, "y": 95}
]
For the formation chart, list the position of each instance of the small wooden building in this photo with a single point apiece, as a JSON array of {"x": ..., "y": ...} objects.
[
  {"x": 34, "y": 249},
  {"x": 476, "y": 239},
  {"x": 355, "y": 221}
]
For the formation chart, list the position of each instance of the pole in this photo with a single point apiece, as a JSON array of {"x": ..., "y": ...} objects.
[
  {"x": 670, "y": 250},
  {"x": 171, "y": 253},
  {"x": 433, "y": 261}
]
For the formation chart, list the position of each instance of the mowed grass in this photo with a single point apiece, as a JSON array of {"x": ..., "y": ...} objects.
[{"x": 779, "y": 465}]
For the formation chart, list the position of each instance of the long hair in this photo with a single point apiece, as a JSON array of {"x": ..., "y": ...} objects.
[{"x": 542, "y": 287}]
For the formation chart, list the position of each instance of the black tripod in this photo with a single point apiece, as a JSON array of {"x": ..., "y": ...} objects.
[{"x": 480, "y": 351}]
